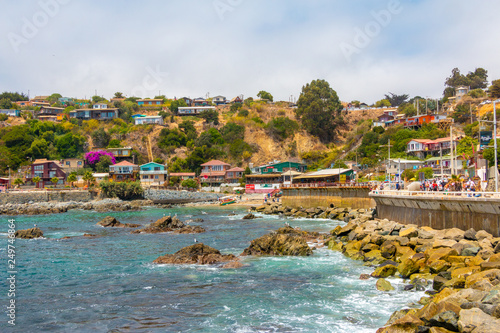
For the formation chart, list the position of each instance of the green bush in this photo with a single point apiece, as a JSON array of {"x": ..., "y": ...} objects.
[
  {"x": 124, "y": 190},
  {"x": 243, "y": 113},
  {"x": 191, "y": 183},
  {"x": 282, "y": 127}
]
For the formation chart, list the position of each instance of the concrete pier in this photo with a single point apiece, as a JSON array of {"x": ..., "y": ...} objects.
[
  {"x": 441, "y": 211},
  {"x": 309, "y": 197}
]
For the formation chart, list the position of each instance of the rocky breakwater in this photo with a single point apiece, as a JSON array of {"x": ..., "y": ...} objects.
[
  {"x": 199, "y": 254},
  {"x": 459, "y": 269},
  {"x": 39, "y": 208},
  {"x": 334, "y": 213},
  {"x": 169, "y": 224}
]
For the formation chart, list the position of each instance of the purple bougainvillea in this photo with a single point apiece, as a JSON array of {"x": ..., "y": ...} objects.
[{"x": 93, "y": 157}]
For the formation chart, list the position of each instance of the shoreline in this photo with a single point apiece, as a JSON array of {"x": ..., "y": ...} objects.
[{"x": 459, "y": 270}]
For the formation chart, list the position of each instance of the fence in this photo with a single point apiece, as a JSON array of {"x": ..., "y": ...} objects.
[
  {"x": 439, "y": 194},
  {"x": 335, "y": 185}
]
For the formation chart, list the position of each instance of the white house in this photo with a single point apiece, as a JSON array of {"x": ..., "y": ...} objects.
[
  {"x": 149, "y": 120},
  {"x": 193, "y": 110}
]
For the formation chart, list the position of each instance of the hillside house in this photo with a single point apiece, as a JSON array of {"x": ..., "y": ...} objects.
[
  {"x": 144, "y": 120},
  {"x": 153, "y": 173},
  {"x": 200, "y": 101},
  {"x": 100, "y": 106},
  {"x": 219, "y": 100},
  {"x": 234, "y": 175},
  {"x": 422, "y": 148},
  {"x": 149, "y": 102},
  {"x": 71, "y": 164},
  {"x": 96, "y": 113},
  {"x": 123, "y": 171},
  {"x": 213, "y": 173},
  {"x": 10, "y": 112},
  {"x": 193, "y": 110},
  {"x": 280, "y": 167},
  {"x": 46, "y": 170},
  {"x": 237, "y": 99},
  {"x": 183, "y": 175}
]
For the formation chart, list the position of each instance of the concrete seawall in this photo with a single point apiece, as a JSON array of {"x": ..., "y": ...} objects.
[
  {"x": 45, "y": 196},
  {"x": 175, "y": 197},
  {"x": 324, "y": 196},
  {"x": 441, "y": 212}
]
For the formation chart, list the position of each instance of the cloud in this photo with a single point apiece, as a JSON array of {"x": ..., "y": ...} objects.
[{"x": 277, "y": 46}]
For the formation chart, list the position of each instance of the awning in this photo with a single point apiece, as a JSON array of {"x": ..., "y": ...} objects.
[{"x": 291, "y": 173}]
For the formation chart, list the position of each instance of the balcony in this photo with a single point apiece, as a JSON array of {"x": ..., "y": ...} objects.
[{"x": 157, "y": 172}]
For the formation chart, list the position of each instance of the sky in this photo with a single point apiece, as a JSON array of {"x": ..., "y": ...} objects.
[{"x": 200, "y": 48}]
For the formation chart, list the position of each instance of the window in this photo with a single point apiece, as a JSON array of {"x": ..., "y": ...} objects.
[
  {"x": 52, "y": 174},
  {"x": 38, "y": 167},
  {"x": 157, "y": 168},
  {"x": 68, "y": 163},
  {"x": 156, "y": 176}
]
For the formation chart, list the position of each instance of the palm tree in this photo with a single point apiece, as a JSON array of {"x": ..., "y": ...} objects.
[
  {"x": 71, "y": 179},
  {"x": 36, "y": 180},
  {"x": 18, "y": 182},
  {"x": 54, "y": 181},
  {"x": 88, "y": 177}
]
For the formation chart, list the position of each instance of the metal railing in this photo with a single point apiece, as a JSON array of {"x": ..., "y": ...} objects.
[
  {"x": 314, "y": 185},
  {"x": 437, "y": 194}
]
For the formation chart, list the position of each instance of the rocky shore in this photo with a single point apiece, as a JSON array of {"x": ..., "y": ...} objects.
[
  {"x": 460, "y": 270},
  {"x": 40, "y": 208}
]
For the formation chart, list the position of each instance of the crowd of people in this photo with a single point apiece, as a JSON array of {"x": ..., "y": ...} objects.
[{"x": 441, "y": 185}]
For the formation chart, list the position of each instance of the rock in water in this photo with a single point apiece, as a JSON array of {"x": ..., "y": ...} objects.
[
  {"x": 168, "y": 224},
  {"x": 384, "y": 285},
  {"x": 29, "y": 233},
  {"x": 282, "y": 244},
  {"x": 249, "y": 216},
  {"x": 196, "y": 254},
  {"x": 111, "y": 222}
]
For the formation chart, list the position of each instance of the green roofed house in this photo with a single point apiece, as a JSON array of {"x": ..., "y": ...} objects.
[
  {"x": 280, "y": 167},
  {"x": 153, "y": 173}
]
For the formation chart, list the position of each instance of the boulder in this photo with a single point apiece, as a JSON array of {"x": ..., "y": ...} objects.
[
  {"x": 491, "y": 275},
  {"x": 446, "y": 319},
  {"x": 189, "y": 230},
  {"x": 438, "y": 243},
  {"x": 408, "y": 232},
  {"x": 407, "y": 324},
  {"x": 481, "y": 234},
  {"x": 384, "y": 285},
  {"x": 29, "y": 233},
  {"x": 196, "y": 254},
  {"x": 384, "y": 271},
  {"x": 409, "y": 266},
  {"x": 439, "y": 266},
  {"x": 111, "y": 222},
  {"x": 169, "y": 224},
  {"x": 432, "y": 309},
  {"x": 282, "y": 244},
  {"x": 388, "y": 249},
  {"x": 347, "y": 229},
  {"x": 470, "y": 234},
  {"x": 364, "y": 277},
  {"x": 490, "y": 265},
  {"x": 249, "y": 216},
  {"x": 470, "y": 251},
  {"x": 476, "y": 321},
  {"x": 438, "y": 282},
  {"x": 454, "y": 233}
]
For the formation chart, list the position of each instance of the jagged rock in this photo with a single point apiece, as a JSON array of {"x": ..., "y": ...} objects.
[
  {"x": 364, "y": 277},
  {"x": 408, "y": 232},
  {"x": 470, "y": 234},
  {"x": 446, "y": 319},
  {"x": 29, "y": 233},
  {"x": 196, "y": 254},
  {"x": 476, "y": 321},
  {"x": 491, "y": 275},
  {"x": 249, "y": 216},
  {"x": 384, "y": 285},
  {"x": 438, "y": 282},
  {"x": 406, "y": 324},
  {"x": 198, "y": 220},
  {"x": 470, "y": 251},
  {"x": 384, "y": 271},
  {"x": 279, "y": 243},
  {"x": 388, "y": 249},
  {"x": 169, "y": 224},
  {"x": 481, "y": 234},
  {"x": 111, "y": 222},
  {"x": 409, "y": 266}
]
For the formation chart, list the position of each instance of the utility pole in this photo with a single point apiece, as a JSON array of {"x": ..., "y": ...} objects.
[{"x": 451, "y": 151}]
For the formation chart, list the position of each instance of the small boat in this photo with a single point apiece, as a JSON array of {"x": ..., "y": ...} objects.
[{"x": 227, "y": 201}]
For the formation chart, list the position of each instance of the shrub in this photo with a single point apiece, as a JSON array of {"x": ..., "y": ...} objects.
[
  {"x": 124, "y": 191},
  {"x": 236, "y": 106},
  {"x": 191, "y": 183},
  {"x": 282, "y": 127},
  {"x": 243, "y": 113}
]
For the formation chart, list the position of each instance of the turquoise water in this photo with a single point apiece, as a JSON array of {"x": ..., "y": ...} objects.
[{"x": 108, "y": 284}]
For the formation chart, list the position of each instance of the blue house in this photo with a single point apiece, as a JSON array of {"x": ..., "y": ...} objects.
[{"x": 153, "y": 173}]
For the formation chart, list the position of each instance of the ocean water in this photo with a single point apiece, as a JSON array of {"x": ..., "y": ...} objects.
[{"x": 109, "y": 284}]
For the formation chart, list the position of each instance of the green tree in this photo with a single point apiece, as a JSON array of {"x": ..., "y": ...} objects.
[
  {"x": 159, "y": 160},
  {"x": 466, "y": 146},
  {"x": 187, "y": 126},
  {"x": 477, "y": 93},
  {"x": 98, "y": 99},
  {"x": 428, "y": 172},
  {"x": 36, "y": 180},
  {"x": 54, "y": 180},
  {"x": 71, "y": 178},
  {"x": 18, "y": 182},
  {"x": 119, "y": 95},
  {"x": 54, "y": 98},
  {"x": 474, "y": 80},
  {"x": 88, "y": 177},
  {"x": 408, "y": 109},
  {"x": 70, "y": 145},
  {"x": 100, "y": 138},
  {"x": 171, "y": 138},
  {"x": 396, "y": 100},
  {"x": 282, "y": 128},
  {"x": 39, "y": 149},
  {"x": 190, "y": 183},
  {"x": 114, "y": 143},
  {"x": 494, "y": 89},
  {"x": 232, "y": 131},
  {"x": 382, "y": 102},
  {"x": 13, "y": 96},
  {"x": 408, "y": 174},
  {"x": 209, "y": 138},
  {"x": 210, "y": 116},
  {"x": 489, "y": 153},
  {"x": 235, "y": 107},
  {"x": 461, "y": 114},
  {"x": 319, "y": 110},
  {"x": 5, "y": 103},
  {"x": 265, "y": 95},
  {"x": 243, "y": 113},
  {"x": 175, "y": 105},
  {"x": 103, "y": 164}
]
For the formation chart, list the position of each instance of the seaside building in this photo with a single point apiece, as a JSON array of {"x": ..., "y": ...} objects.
[
  {"x": 183, "y": 175},
  {"x": 97, "y": 112},
  {"x": 213, "y": 173},
  {"x": 219, "y": 100},
  {"x": 71, "y": 164},
  {"x": 422, "y": 148},
  {"x": 153, "y": 173},
  {"x": 46, "y": 170},
  {"x": 325, "y": 177},
  {"x": 234, "y": 175},
  {"x": 10, "y": 112},
  {"x": 280, "y": 167},
  {"x": 397, "y": 165},
  {"x": 263, "y": 183},
  {"x": 123, "y": 171}
]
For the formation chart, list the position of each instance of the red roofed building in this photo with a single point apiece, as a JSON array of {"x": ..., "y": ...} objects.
[
  {"x": 234, "y": 175},
  {"x": 123, "y": 171},
  {"x": 421, "y": 148},
  {"x": 46, "y": 170},
  {"x": 213, "y": 173}
]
